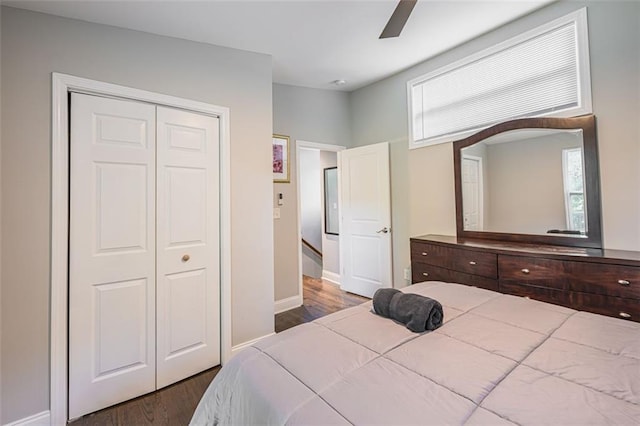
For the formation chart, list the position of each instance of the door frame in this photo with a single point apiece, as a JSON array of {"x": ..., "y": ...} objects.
[
  {"x": 62, "y": 84},
  {"x": 301, "y": 144}
]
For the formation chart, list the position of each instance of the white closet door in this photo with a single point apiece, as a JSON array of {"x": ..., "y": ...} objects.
[
  {"x": 188, "y": 271},
  {"x": 112, "y": 253}
]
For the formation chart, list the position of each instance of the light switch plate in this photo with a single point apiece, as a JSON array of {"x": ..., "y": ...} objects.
[
  {"x": 276, "y": 213},
  {"x": 407, "y": 273}
]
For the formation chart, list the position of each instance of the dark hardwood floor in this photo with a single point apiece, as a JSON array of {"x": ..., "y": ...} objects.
[
  {"x": 175, "y": 404},
  {"x": 319, "y": 299}
]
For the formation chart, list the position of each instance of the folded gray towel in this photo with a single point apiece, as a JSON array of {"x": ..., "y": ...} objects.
[
  {"x": 418, "y": 313},
  {"x": 382, "y": 301}
]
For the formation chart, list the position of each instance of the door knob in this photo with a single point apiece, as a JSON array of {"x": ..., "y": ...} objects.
[
  {"x": 383, "y": 230},
  {"x": 186, "y": 257}
]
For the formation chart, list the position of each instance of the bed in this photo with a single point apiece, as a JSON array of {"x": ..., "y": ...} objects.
[{"x": 497, "y": 360}]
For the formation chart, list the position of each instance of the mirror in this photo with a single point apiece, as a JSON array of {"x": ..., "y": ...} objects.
[
  {"x": 530, "y": 180},
  {"x": 331, "y": 200}
]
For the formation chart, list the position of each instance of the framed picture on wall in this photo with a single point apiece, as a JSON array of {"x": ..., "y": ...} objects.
[
  {"x": 280, "y": 159},
  {"x": 331, "y": 218}
]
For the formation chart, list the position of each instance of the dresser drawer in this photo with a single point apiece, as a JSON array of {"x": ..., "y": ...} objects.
[
  {"x": 430, "y": 254},
  {"x": 468, "y": 261},
  {"x": 610, "y": 280},
  {"x": 533, "y": 271},
  {"x": 618, "y": 307},
  {"x": 475, "y": 262},
  {"x": 423, "y": 272},
  {"x": 543, "y": 294}
]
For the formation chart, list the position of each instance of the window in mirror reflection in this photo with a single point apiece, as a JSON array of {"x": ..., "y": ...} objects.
[{"x": 573, "y": 188}]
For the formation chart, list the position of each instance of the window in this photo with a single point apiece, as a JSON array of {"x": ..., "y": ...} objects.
[
  {"x": 573, "y": 179},
  {"x": 542, "y": 72}
]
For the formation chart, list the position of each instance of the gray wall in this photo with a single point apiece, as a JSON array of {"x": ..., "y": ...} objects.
[
  {"x": 379, "y": 114},
  {"x": 35, "y": 45},
  {"x": 330, "y": 243},
  {"x": 422, "y": 179},
  {"x": 311, "y": 115},
  {"x": 311, "y": 196},
  {"x": 310, "y": 210}
]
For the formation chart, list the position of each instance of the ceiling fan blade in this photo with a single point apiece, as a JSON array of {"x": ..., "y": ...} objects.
[{"x": 398, "y": 19}]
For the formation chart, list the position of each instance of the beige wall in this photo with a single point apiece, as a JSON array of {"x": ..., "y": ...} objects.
[
  {"x": 311, "y": 115},
  {"x": 422, "y": 179},
  {"x": 526, "y": 184},
  {"x": 35, "y": 45}
]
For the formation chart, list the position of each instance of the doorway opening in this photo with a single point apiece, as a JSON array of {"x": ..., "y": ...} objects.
[{"x": 318, "y": 250}]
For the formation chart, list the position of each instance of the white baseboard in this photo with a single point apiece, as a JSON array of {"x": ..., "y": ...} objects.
[
  {"x": 43, "y": 418},
  {"x": 241, "y": 346},
  {"x": 332, "y": 277},
  {"x": 288, "y": 303}
]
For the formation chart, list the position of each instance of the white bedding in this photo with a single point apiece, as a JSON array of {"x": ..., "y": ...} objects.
[{"x": 497, "y": 360}]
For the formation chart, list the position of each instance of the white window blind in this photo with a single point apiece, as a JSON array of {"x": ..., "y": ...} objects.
[{"x": 542, "y": 72}]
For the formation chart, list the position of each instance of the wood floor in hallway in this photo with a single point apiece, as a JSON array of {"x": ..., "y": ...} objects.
[{"x": 320, "y": 298}]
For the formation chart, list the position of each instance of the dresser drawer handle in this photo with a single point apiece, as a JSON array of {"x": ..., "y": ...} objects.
[
  {"x": 525, "y": 271},
  {"x": 424, "y": 253},
  {"x": 624, "y": 282},
  {"x": 426, "y": 274},
  {"x": 472, "y": 263},
  {"x": 624, "y": 315}
]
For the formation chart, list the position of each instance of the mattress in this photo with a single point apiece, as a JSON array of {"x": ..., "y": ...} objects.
[{"x": 497, "y": 360}]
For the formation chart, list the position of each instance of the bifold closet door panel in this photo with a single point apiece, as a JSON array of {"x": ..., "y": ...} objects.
[
  {"x": 188, "y": 269},
  {"x": 112, "y": 249}
]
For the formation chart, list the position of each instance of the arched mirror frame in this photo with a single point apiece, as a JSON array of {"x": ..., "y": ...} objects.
[{"x": 587, "y": 123}]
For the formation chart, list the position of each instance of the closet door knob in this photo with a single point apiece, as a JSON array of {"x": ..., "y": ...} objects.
[{"x": 186, "y": 258}]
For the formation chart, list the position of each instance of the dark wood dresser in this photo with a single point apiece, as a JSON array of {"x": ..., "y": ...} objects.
[{"x": 594, "y": 280}]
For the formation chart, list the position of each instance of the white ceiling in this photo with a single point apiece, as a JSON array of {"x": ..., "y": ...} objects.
[{"x": 313, "y": 42}]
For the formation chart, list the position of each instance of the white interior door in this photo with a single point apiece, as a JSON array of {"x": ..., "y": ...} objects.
[
  {"x": 188, "y": 271},
  {"x": 365, "y": 228},
  {"x": 472, "y": 193},
  {"x": 112, "y": 253}
]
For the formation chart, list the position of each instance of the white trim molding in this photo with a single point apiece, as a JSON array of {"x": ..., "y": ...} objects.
[
  {"x": 283, "y": 305},
  {"x": 62, "y": 84},
  {"x": 237, "y": 348},
  {"x": 331, "y": 277},
  {"x": 43, "y": 418}
]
